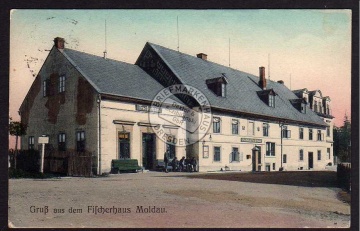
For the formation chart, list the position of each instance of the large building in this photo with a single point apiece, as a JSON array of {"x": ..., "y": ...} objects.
[{"x": 90, "y": 103}]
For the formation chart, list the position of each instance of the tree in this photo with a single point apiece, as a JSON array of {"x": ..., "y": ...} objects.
[
  {"x": 16, "y": 129},
  {"x": 342, "y": 140}
]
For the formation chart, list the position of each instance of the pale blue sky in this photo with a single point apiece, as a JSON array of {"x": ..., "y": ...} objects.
[{"x": 313, "y": 46}]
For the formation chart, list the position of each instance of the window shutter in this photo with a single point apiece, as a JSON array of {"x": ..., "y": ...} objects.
[{"x": 241, "y": 156}]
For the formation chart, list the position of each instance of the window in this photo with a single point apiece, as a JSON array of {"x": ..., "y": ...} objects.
[
  {"x": 284, "y": 158},
  {"x": 62, "y": 83},
  {"x": 265, "y": 129},
  {"x": 46, "y": 87},
  {"x": 216, "y": 125},
  {"x": 299, "y": 104},
  {"x": 62, "y": 142},
  {"x": 267, "y": 167},
  {"x": 251, "y": 129},
  {"x": 219, "y": 89},
  {"x": 320, "y": 108},
  {"x": 271, "y": 100},
  {"x": 303, "y": 108},
  {"x": 319, "y": 135},
  {"x": 310, "y": 134},
  {"x": 235, "y": 127},
  {"x": 206, "y": 151},
  {"x": 273, "y": 166},
  {"x": 301, "y": 133},
  {"x": 286, "y": 133},
  {"x": 235, "y": 154},
  {"x": 328, "y": 131},
  {"x": 124, "y": 145},
  {"x": 267, "y": 96},
  {"x": 217, "y": 85},
  {"x": 301, "y": 155},
  {"x": 319, "y": 154},
  {"x": 223, "y": 90},
  {"x": 31, "y": 142},
  {"x": 80, "y": 141},
  {"x": 315, "y": 106},
  {"x": 270, "y": 149},
  {"x": 217, "y": 153},
  {"x": 328, "y": 153}
]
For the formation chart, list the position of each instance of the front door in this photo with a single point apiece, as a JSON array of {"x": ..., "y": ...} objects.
[
  {"x": 311, "y": 160},
  {"x": 256, "y": 159},
  {"x": 124, "y": 145},
  {"x": 149, "y": 152}
]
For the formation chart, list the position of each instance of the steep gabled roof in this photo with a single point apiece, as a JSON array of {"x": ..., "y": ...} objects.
[
  {"x": 241, "y": 90},
  {"x": 113, "y": 77}
]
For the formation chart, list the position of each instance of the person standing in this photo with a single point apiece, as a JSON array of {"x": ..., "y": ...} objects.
[
  {"x": 193, "y": 164},
  {"x": 166, "y": 160}
]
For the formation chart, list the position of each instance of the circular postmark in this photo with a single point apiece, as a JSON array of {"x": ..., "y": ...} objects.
[{"x": 176, "y": 122}]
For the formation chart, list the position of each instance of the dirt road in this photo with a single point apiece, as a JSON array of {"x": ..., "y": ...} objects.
[{"x": 154, "y": 199}]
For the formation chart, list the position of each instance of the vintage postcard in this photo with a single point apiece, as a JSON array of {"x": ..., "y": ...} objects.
[{"x": 180, "y": 118}]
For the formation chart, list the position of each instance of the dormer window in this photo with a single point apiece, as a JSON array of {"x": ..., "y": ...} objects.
[
  {"x": 217, "y": 85},
  {"x": 299, "y": 104},
  {"x": 268, "y": 97}
]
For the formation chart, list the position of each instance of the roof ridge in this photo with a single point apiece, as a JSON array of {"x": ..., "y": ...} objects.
[
  {"x": 97, "y": 56},
  {"x": 212, "y": 62}
]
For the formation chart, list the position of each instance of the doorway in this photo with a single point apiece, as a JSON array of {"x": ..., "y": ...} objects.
[
  {"x": 311, "y": 160},
  {"x": 124, "y": 145},
  {"x": 149, "y": 150},
  {"x": 256, "y": 159}
]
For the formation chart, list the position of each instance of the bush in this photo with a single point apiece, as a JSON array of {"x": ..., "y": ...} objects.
[
  {"x": 344, "y": 176},
  {"x": 18, "y": 173},
  {"x": 28, "y": 160}
]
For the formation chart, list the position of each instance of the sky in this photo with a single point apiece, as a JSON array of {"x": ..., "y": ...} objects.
[{"x": 307, "y": 48}]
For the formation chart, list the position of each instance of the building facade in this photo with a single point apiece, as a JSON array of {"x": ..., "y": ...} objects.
[{"x": 89, "y": 103}]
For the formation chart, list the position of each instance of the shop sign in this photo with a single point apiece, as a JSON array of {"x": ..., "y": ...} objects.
[{"x": 251, "y": 140}]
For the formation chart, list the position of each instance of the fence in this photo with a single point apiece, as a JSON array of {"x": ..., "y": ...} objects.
[
  {"x": 69, "y": 163},
  {"x": 344, "y": 175},
  {"x": 80, "y": 164}
]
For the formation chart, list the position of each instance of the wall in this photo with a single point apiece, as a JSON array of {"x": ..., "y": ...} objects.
[
  {"x": 128, "y": 120},
  {"x": 65, "y": 112},
  {"x": 291, "y": 146}
]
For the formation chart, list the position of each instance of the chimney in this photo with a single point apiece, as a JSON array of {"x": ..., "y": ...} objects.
[
  {"x": 281, "y": 82},
  {"x": 202, "y": 56},
  {"x": 59, "y": 43},
  {"x": 262, "y": 81}
]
